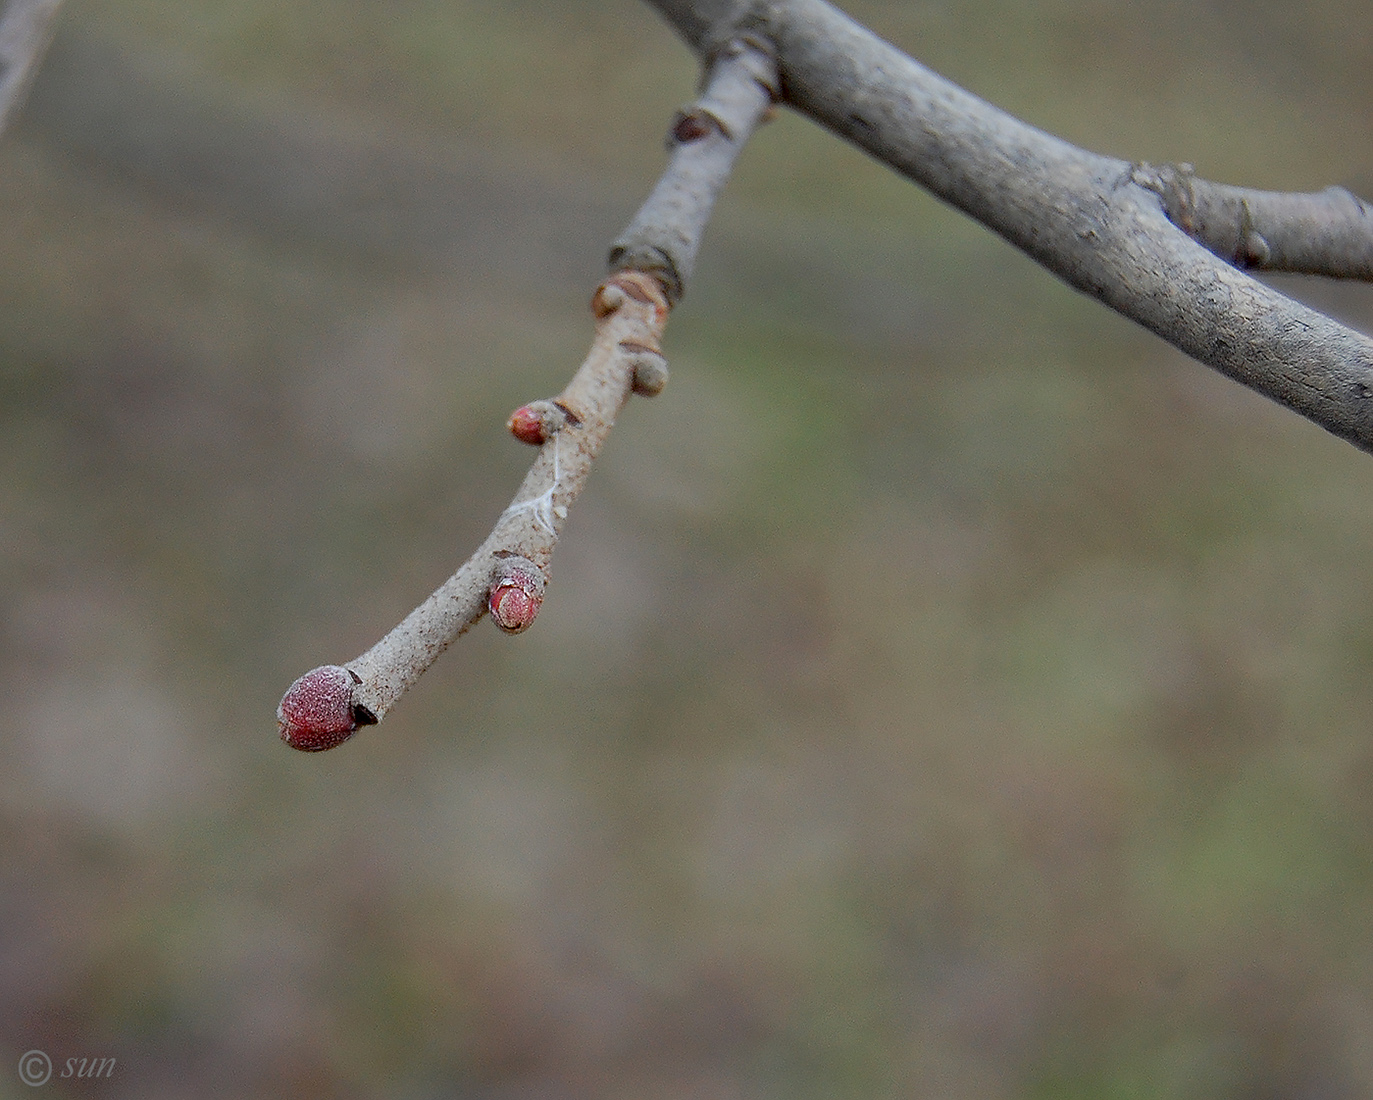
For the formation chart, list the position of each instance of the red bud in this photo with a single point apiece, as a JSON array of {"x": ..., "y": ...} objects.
[
  {"x": 317, "y": 711},
  {"x": 516, "y": 595},
  {"x": 527, "y": 426}
]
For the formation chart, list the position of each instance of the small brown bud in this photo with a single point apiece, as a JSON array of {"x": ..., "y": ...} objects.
[
  {"x": 607, "y": 299},
  {"x": 693, "y": 127},
  {"x": 1252, "y": 250},
  {"x": 650, "y": 373}
]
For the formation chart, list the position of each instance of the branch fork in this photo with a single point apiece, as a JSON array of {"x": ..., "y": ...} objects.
[
  {"x": 1157, "y": 244},
  {"x": 1161, "y": 246}
]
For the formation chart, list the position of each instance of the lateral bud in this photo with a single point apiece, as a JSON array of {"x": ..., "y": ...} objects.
[
  {"x": 517, "y": 587},
  {"x": 537, "y": 422},
  {"x": 608, "y": 298},
  {"x": 649, "y": 369},
  {"x": 693, "y": 125}
]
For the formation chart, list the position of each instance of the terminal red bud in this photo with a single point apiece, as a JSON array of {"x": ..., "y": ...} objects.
[
  {"x": 516, "y": 594},
  {"x": 512, "y": 608},
  {"x": 317, "y": 712}
]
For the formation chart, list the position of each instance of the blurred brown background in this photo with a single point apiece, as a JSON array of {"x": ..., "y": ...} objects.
[{"x": 946, "y": 689}]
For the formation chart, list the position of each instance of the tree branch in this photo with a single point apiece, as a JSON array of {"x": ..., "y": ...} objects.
[
  {"x": 1101, "y": 224},
  {"x": 1155, "y": 243},
  {"x": 25, "y": 31},
  {"x": 666, "y": 233},
  {"x": 1326, "y": 233},
  {"x": 650, "y": 264}
]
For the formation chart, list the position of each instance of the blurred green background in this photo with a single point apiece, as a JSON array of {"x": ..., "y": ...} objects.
[{"x": 946, "y": 689}]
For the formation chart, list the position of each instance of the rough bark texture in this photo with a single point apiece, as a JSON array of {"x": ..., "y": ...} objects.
[{"x": 1099, "y": 223}]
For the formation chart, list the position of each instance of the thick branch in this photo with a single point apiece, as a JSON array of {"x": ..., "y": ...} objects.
[
  {"x": 507, "y": 574},
  {"x": 25, "y": 30},
  {"x": 1097, "y": 222}
]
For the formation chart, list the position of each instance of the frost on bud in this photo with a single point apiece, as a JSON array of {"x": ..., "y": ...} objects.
[
  {"x": 517, "y": 586},
  {"x": 537, "y": 422},
  {"x": 317, "y": 712}
]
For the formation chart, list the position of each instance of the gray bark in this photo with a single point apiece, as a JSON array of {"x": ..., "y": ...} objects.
[
  {"x": 665, "y": 235},
  {"x": 627, "y": 327},
  {"x": 650, "y": 264},
  {"x": 1326, "y": 233},
  {"x": 1101, "y": 224}
]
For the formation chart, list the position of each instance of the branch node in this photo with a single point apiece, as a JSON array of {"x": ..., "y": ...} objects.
[
  {"x": 637, "y": 256},
  {"x": 744, "y": 33},
  {"x": 1175, "y": 185},
  {"x": 644, "y": 287},
  {"x": 607, "y": 299}
]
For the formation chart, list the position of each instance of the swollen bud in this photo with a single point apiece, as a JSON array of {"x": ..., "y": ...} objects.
[
  {"x": 537, "y": 422},
  {"x": 649, "y": 370},
  {"x": 317, "y": 712},
  {"x": 517, "y": 586},
  {"x": 526, "y": 426}
]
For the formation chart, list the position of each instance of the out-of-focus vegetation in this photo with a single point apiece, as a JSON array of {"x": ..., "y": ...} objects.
[{"x": 946, "y": 689}]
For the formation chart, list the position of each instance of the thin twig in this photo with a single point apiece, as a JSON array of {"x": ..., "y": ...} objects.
[
  {"x": 631, "y": 312},
  {"x": 666, "y": 232},
  {"x": 506, "y": 576}
]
